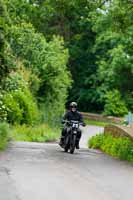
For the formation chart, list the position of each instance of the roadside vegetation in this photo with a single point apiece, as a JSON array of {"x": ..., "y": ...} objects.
[
  {"x": 39, "y": 133},
  {"x": 118, "y": 147},
  {"x": 4, "y": 135}
]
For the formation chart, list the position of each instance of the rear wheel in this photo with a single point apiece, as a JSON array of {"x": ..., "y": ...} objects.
[{"x": 73, "y": 144}]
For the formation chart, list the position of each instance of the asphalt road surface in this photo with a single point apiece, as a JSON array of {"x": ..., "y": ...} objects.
[{"x": 34, "y": 171}]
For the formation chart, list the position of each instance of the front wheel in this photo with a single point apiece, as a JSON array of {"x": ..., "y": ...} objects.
[
  {"x": 66, "y": 148},
  {"x": 73, "y": 144}
]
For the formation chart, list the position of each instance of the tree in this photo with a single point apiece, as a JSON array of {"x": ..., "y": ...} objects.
[
  {"x": 113, "y": 48},
  {"x": 71, "y": 19}
]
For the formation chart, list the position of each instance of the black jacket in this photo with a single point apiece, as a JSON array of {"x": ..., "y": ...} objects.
[{"x": 76, "y": 116}]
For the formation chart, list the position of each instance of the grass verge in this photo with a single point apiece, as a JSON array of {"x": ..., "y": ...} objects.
[
  {"x": 118, "y": 147},
  {"x": 40, "y": 133},
  {"x": 96, "y": 123}
]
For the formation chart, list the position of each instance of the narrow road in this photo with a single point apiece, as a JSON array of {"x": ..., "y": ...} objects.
[{"x": 34, "y": 171}]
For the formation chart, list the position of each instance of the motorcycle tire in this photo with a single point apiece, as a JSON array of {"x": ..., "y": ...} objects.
[
  {"x": 73, "y": 144},
  {"x": 66, "y": 148}
]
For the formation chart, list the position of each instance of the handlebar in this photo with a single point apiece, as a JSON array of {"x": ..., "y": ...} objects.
[{"x": 73, "y": 121}]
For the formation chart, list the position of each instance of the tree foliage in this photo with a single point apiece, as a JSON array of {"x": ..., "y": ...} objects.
[
  {"x": 40, "y": 69},
  {"x": 114, "y": 49}
]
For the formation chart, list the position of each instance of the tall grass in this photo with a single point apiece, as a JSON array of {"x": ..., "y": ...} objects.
[{"x": 39, "y": 133}]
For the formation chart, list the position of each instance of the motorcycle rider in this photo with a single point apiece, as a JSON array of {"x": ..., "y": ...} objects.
[{"x": 72, "y": 114}]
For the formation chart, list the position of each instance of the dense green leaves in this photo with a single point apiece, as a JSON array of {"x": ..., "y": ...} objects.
[
  {"x": 113, "y": 49},
  {"x": 47, "y": 60},
  {"x": 41, "y": 42},
  {"x": 6, "y": 57},
  {"x": 119, "y": 147},
  {"x": 114, "y": 105}
]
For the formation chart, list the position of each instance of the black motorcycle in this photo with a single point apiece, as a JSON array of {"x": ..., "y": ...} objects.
[{"x": 71, "y": 136}]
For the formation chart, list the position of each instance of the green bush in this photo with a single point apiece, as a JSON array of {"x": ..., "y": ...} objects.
[
  {"x": 114, "y": 104},
  {"x": 96, "y": 141},
  {"x": 4, "y": 133},
  {"x": 119, "y": 147},
  {"x": 21, "y": 107}
]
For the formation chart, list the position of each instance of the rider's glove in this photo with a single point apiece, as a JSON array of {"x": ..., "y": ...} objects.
[
  {"x": 63, "y": 121},
  {"x": 68, "y": 123}
]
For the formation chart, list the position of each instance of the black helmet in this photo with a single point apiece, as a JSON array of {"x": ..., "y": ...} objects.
[{"x": 73, "y": 105}]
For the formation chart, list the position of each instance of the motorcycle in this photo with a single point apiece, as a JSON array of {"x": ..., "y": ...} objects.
[{"x": 71, "y": 136}]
